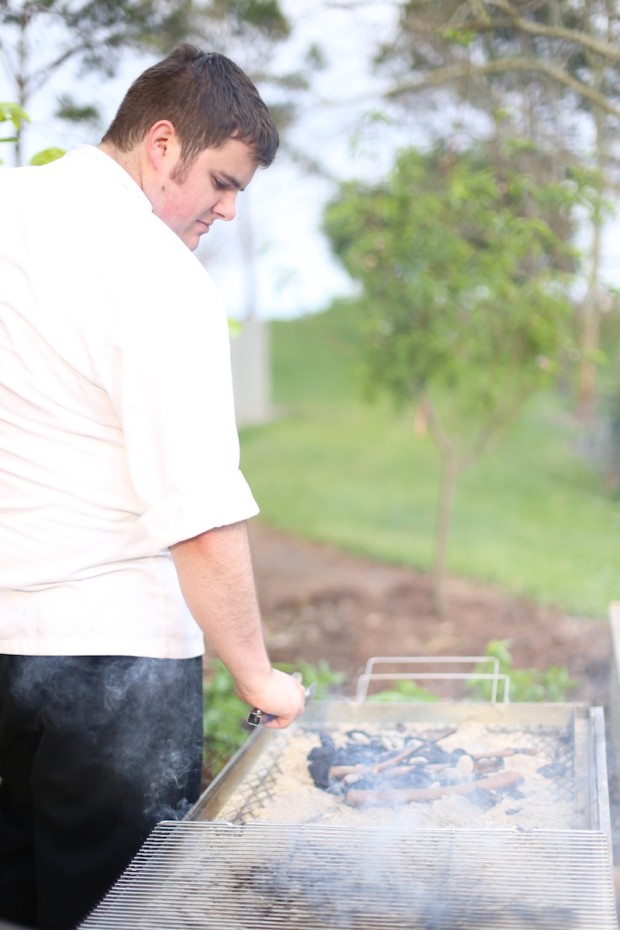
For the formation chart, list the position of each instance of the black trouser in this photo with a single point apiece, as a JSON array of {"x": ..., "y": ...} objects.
[{"x": 94, "y": 751}]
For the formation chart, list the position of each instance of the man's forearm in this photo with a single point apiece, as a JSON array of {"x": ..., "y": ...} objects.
[{"x": 217, "y": 582}]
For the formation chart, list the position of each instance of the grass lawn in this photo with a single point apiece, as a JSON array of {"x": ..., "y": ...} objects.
[{"x": 530, "y": 516}]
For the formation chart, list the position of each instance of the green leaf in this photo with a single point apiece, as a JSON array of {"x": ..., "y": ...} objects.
[
  {"x": 46, "y": 156},
  {"x": 12, "y": 112}
]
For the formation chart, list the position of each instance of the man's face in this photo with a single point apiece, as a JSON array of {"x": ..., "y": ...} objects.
[{"x": 190, "y": 201}]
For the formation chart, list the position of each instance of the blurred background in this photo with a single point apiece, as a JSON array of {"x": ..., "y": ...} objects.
[{"x": 425, "y": 280}]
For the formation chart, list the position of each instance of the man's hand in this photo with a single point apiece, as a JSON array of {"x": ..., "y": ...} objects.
[{"x": 281, "y": 697}]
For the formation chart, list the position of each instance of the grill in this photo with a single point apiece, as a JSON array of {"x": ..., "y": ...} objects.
[
  {"x": 200, "y": 875},
  {"x": 264, "y": 848},
  {"x": 267, "y": 780}
]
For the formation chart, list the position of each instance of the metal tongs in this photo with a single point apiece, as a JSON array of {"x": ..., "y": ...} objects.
[{"x": 256, "y": 716}]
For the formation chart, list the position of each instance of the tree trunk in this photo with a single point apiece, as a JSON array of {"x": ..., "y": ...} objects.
[
  {"x": 590, "y": 310},
  {"x": 449, "y": 474},
  {"x": 21, "y": 80},
  {"x": 589, "y": 344}
]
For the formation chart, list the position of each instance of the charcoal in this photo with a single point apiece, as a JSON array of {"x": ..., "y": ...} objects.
[
  {"x": 552, "y": 770},
  {"x": 365, "y": 765},
  {"x": 321, "y": 759},
  {"x": 436, "y": 755},
  {"x": 484, "y": 799},
  {"x": 356, "y": 755}
]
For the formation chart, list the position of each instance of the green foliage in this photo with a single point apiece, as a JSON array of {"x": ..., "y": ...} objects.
[
  {"x": 263, "y": 15},
  {"x": 465, "y": 296},
  {"x": 225, "y": 715},
  {"x": 223, "y": 718},
  {"x": 94, "y": 37},
  {"x": 461, "y": 289},
  {"x": 324, "y": 679},
  {"x": 11, "y": 112},
  {"x": 74, "y": 112},
  {"x": 458, "y": 37},
  {"x": 405, "y": 691},
  {"x": 46, "y": 156},
  {"x": 532, "y": 517},
  {"x": 16, "y": 116},
  {"x": 526, "y": 685},
  {"x": 225, "y": 729}
]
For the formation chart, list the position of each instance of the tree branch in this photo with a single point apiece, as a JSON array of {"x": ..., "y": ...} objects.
[
  {"x": 456, "y": 72},
  {"x": 42, "y": 74},
  {"x": 593, "y": 44}
]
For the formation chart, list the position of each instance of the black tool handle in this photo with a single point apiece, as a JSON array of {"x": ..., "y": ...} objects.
[{"x": 256, "y": 716}]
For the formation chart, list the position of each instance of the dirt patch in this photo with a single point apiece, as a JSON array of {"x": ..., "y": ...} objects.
[{"x": 320, "y": 603}]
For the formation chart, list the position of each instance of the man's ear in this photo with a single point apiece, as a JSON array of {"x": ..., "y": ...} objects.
[{"x": 162, "y": 145}]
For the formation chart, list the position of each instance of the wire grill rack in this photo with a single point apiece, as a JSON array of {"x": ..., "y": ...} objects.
[{"x": 192, "y": 875}]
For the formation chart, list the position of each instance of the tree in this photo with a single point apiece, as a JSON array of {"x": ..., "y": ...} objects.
[
  {"x": 464, "y": 298},
  {"x": 16, "y": 116},
  {"x": 552, "y": 67},
  {"x": 38, "y": 38}
]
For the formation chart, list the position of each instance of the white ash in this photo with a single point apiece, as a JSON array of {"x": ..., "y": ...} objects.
[{"x": 296, "y": 799}]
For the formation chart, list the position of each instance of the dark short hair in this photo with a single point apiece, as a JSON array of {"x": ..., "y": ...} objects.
[{"x": 207, "y": 98}]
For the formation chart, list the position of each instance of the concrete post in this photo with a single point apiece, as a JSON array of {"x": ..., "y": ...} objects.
[{"x": 251, "y": 366}]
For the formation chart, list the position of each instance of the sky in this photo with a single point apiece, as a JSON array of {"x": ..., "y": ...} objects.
[
  {"x": 292, "y": 271},
  {"x": 279, "y": 215}
]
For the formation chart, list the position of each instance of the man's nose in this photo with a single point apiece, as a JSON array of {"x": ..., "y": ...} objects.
[{"x": 226, "y": 207}]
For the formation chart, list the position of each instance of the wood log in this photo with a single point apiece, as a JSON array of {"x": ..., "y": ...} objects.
[
  {"x": 359, "y": 797},
  {"x": 417, "y": 745}
]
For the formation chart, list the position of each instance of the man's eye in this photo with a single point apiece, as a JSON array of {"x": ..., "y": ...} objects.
[{"x": 220, "y": 185}]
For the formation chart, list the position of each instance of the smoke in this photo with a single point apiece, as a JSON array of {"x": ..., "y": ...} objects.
[{"x": 131, "y": 727}]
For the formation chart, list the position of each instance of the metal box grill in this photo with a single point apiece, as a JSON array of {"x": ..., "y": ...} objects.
[
  {"x": 239, "y": 862},
  {"x": 251, "y": 787},
  {"x": 198, "y": 875}
]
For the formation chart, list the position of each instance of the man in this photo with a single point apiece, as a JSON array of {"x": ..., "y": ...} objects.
[{"x": 122, "y": 508}]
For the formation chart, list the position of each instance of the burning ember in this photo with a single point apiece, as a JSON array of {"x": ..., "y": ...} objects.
[
  {"x": 452, "y": 774},
  {"x": 366, "y": 769}
]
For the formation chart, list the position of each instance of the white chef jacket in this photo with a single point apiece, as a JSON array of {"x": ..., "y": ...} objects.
[{"x": 117, "y": 429}]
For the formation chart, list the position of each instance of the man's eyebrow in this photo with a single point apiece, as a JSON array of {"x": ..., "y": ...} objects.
[{"x": 232, "y": 181}]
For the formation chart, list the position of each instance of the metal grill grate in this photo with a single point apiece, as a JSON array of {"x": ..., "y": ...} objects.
[
  {"x": 259, "y": 787},
  {"x": 192, "y": 875},
  {"x": 555, "y": 744}
]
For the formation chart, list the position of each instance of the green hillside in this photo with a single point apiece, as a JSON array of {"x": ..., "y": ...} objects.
[{"x": 531, "y": 516}]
